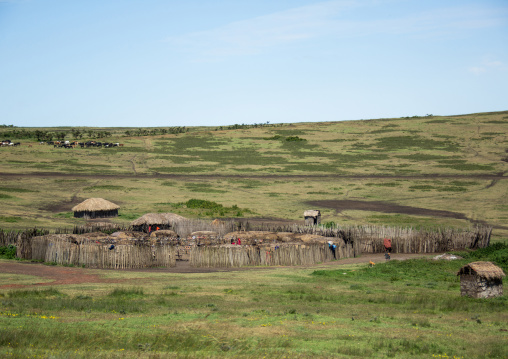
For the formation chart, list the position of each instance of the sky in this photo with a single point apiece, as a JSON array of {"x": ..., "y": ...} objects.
[{"x": 151, "y": 63}]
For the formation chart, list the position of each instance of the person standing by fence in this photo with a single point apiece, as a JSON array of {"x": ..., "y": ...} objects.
[
  {"x": 387, "y": 242},
  {"x": 332, "y": 248}
]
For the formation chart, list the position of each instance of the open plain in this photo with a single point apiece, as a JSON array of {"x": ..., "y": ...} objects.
[
  {"x": 421, "y": 172},
  {"x": 416, "y": 171}
]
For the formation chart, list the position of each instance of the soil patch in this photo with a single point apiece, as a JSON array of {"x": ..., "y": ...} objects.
[
  {"x": 69, "y": 275},
  {"x": 60, "y": 275},
  {"x": 384, "y": 207}
]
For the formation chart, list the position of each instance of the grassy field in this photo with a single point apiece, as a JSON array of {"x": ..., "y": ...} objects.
[
  {"x": 409, "y": 309},
  {"x": 398, "y": 309},
  {"x": 271, "y": 171}
]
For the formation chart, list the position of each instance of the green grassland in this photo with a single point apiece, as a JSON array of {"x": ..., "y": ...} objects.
[
  {"x": 432, "y": 162},
  {"x": 409, "y": 309},
  {"x": 398, "y": 309}
]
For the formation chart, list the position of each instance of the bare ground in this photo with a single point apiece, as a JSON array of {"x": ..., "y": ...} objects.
[{"x": 71, "y": 275}]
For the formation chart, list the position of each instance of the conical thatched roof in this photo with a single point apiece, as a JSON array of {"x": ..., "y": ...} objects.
[
  {"x": 94, "y": 205},
  {"x": 157, "y": 218},
  {"x": 487, "y": 270}
]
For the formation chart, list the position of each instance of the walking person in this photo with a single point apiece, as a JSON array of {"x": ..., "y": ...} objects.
[{"x": 387, "y": 242}]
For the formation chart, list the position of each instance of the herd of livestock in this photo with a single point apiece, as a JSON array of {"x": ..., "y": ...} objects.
[
  {"x": 9, "y": 143},
  {"x": 69, "y": 144}
]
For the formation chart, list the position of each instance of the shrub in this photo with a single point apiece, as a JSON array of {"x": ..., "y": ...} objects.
[
  {"x": 126, "y": 292},
  {"x": 295, "y": 139},
  {"x": 8, "y": 252},
  {"x": 497, "y": 253}
]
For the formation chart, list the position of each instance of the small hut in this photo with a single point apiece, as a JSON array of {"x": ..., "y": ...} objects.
[
  {"x": 95, "y": 208},
  {"x": 481, "y": 280},
  {"x": 312, "y": 217},
  {"x": 152, "y": 221}
]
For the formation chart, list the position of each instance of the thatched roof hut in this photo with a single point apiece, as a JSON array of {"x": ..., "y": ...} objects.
[
  {"x": 161, "y": 220},
  {"x": 481, "y": 280},
  {"x": 95, "y": 208},
  {"x": 312, "y": 217}
]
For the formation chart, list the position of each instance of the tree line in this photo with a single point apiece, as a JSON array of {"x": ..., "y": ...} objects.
[
  {"x": 78, "y": 134},
  {"x": 247, "y": 126}
]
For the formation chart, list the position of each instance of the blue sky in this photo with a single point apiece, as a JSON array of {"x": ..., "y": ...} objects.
[{"x": 222, "y": 62}]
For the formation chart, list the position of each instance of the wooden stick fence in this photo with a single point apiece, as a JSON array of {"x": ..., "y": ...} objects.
[
  {"x": 422, "y": 241},
  {"x": 91, "y": 254},
  {"x": 350, "y": 241},
  {"x": 404, "y": 240},
  {"x": 284, "y": 255}
]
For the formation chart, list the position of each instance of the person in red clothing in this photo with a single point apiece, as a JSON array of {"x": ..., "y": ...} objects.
[{"x": 387, "y": 242}]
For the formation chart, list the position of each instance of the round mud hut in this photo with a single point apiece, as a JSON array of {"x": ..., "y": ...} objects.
[
  {"x": 156, "y": 221},
  {"x": 95, "y": 208}
]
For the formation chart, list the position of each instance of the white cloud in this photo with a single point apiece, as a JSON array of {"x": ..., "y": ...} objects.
[
  {"x": 253, "y": 35},
  {"x": 477, "y": 70},
  {"x": 487, "y": 65},
  {"x": 327, "y": 18}
]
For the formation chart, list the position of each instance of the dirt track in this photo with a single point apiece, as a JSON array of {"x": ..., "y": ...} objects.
[
  {"x": 72, "y": 275},
  {"x": 496, "y": 177}
]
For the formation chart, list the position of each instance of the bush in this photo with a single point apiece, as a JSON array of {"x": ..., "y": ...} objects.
[
  {"x": 330, "y": 224},
  {"x": 295, "y": 139},
  {"x": 8, "y": 252},
  {"x": 497, "y": 253}
]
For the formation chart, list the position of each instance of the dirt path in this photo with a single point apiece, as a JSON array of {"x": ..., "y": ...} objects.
[
  {"x": 71, "y": 275},
  {"x": 430, "y": 176},
  {"x": 59, "y": 275}
]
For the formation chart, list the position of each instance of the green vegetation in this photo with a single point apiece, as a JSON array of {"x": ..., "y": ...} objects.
[
  {"x": 209, "y": 208},
  {"x": 202, "y": 187},
  {"x": 105, "y": 187},
  {"x": 497, "y": 253},
  {"x": 9, "y": 219},
  {"x": 408, "y": 309},
  {"x": 415, "y": 142},
  {"x": 8, "y": 252},
  {"x": 430, "y": 162},
  {"x": 397, "y": 309},
  {"x": 17, "y": 190}
]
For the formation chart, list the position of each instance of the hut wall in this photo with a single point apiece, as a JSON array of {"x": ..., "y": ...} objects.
[
  {"x": 312, "y": 221},
  {"x": 96, "y": 214},
  {"x": 478, "y": 287}
]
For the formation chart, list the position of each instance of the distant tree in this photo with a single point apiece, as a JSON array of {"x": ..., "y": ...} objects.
[
  {"x": 40, "y": 135},
  {"x": 76, "y": 133}
]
